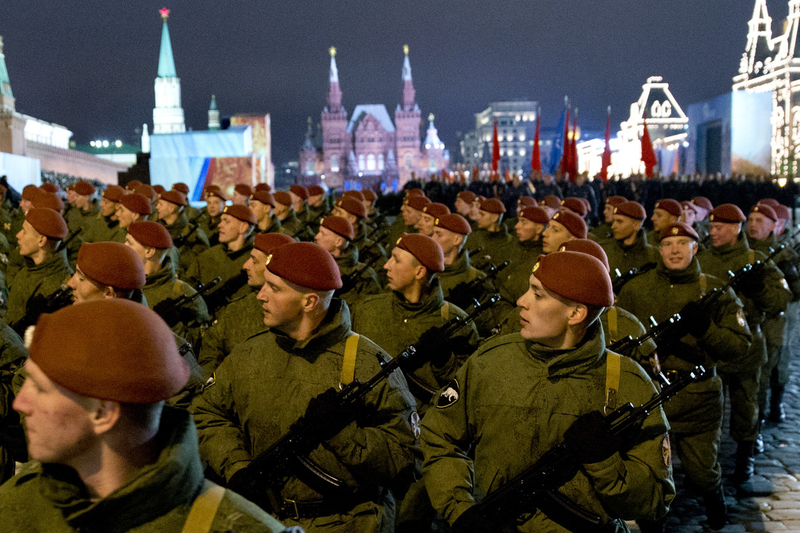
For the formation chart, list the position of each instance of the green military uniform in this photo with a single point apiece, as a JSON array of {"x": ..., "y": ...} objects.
[
  {"x": 104, "y": 228},
  {"x": 210, "y": 226},
  {"x": 512, "y": 401},
  {"x": 157, "y": 498},
  {"x": 741, "y": 374},
  {"x": 394, "y": 323},
  {"x": 395, "y": 230},
  {"x": 695, "y": 413},
  {"x": 359, "y": 280},
  {"x": 495, "y": 244},
  {"x": 602, "y": 233},
  {"x": 273, "y": 227},
  {"x": 164, "y": 284},
  {"x": 291, "y": 225},
  {"x": 190, "y": 240},
  {"x": 264, "y": 386},
  {"x": 457, "y": 272},
  {"x": 12, "y": 356},
  {"x": 369, "y": 251},
  {"x": 35, "y": 280},
  {"x": 220, "y": 261},
  {"x": 626, "y": 258},
  {"x": 235, "y": 323}
]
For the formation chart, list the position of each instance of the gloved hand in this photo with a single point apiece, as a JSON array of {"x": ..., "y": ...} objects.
[
  {"x": 322, "y": 413},
  {"x": 589, "y": 441},
  {"x": 471, "y": 521},
  {"x": 239, "y": 482},
  {"x": 168, "y": 312},
  {"x": 752, "y": 283},
  {"x": 461, "y": 295},
  {"x": 433, "y": 346},
  {"x": 695, "y": 319}
]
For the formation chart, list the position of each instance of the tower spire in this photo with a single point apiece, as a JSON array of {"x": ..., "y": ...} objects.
[
  {"x": 6, "y": 96},
  {"x": 166, "y": 63},
  {"x": 409, "y": 94},
  {"x": 334, "y": 93},
  {"x": 213, "y": 114},
  {"x": 168, "y": 113}
]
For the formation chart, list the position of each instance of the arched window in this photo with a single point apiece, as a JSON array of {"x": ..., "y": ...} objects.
[
  {"x": 361, "y": 162},
  {"x": 408, "y": 160},
  {"x": 334, "y": 163},
  {"x": 371, "y": 162},
  {"x": 380, "y": 161}
]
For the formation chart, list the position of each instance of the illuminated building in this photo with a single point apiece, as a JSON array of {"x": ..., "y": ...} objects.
[{"x": 370, "y": 149}]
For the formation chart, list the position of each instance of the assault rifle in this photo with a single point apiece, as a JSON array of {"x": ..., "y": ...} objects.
[
  {"x": 63, "y": 244},
  {"x": 536, "y": 487},
  {"x": 622, "y": 279},
  {"x": 627, "y": 345},
  {"x": 261, "y": 480},
  {"x": 463, "y": 293},
  {"x": 172, "y": 309},
  {"x": 220, "y": 297},
  {"x": 39, "y": 305}
]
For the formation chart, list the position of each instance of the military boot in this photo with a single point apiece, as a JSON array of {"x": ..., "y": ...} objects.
[
  {"x": 745, "y": 462},
  {"x": 776, "y": 412},
  {"x": 716, "y": 511}
]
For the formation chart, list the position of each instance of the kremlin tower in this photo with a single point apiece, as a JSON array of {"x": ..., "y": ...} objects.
[
  {"x": 334, "y": 129},
  {"x": 168, "y": 113},
  {"x": 407, "y": 119}
]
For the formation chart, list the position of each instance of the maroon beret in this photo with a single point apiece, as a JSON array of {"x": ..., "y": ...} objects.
[
  {"x": 355, "y": 194},
  {"x": 150, "y": 234},
  {"x": 160, "y": 189},
  {"x": 137, "y": 203},
  {"x": 299, "y": 190},
  {"x": 352, "y": 206},
  {"x": 535, "y": 214},
  {"x": 616, "y": 200},
  {"x": 316, "y": 190},
  {"x": 673, "y": 207},
  {"x": 29, "y": 192},
  {"x": 453, "y": 222},
  {"x": 765, "y": 210},
  {"x": 703, "y": 202},
  {"x": 180, "y": 187},
  {"x": 174, "y": 197},
  {"x": 241, "y": 212},
  {"x": 527, "y": 201},
  {"x": 112, "y": 264},
  {"x": 586, "y": 246},
  {"x": 686, "y": 204},
  {"x": 145, "y": 190},
  {"x": 84, "y": 188},
  {"x": 424, "y": 249},
  {"x": 369, "y": 196},
  {"x": 263, "y": 187},
  {"x": 782, "y": 212},
  {"x": 575, "y": 205},
  {"x": 679, "y": 229},
  {"x": 282, "y": 197},
  {"x": 414, "y": 192},
  {"x": 133, "y": 184},
  {"x": 466, "y": 196},
  {"x": 50, "y": 187},
  {"x": 214, "y": 190},
  {"x": 306, "y": 264},
  {"x": 493, "y": 205},
  {"x": 264, "y": 197},
  {"x": 48, "y": 200},
  {"x": 266, "y": 242},
  {"x": 576, "y": 276},
  {"x": 243, "y": 189},
  {"x": 572, "y": 221},
  {"x": 340, "y": 226},
  {"x": 435, "y": 209},
  {"x": 631, "y": 209},
  {"x": 417, "y": 202},
  {"x": 47, "y": 222},
  {"x": 111, "y": 349},
  {"x": 772, "y": 202},
  {"x": 728, "y": 213},
  {"x": 552, "y": 201}
]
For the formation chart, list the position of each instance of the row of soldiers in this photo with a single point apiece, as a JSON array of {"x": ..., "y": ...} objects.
[{"x": 278, "y": 326}]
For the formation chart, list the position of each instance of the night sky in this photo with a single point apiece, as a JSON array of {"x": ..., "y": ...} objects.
[{"x": 90, "y": 65}]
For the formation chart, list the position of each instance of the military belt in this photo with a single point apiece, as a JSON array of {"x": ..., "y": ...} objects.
[{"x": 673, "y": 374}]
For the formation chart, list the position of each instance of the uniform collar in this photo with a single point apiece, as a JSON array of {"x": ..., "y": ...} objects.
[{"x": 586, "y": 355}]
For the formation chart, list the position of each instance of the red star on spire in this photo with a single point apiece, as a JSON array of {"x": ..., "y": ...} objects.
[{"x": 164, "y": 12}]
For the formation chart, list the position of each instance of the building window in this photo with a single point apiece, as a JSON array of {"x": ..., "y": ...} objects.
[
  {"x": 361, "y": 162},
  {"x": 371, "y": 162},
  {"x": 334, "y": 163},
  {"x": 380, "y": 161},
  {"x": 408, "y": 160}
]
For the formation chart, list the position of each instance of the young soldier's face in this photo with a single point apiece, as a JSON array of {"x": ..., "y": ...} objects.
[
  {"x": 554, "y": 236},
  {"x": 543, "y": 316},
  {"x": 425, "y": 224},
  {"x": 282, "y": 304},
  {"x": 661, "y": 219},
  {"x": 261, "y": 211},
  {"x": 326, "y": 238},
  {"x": 125, "y": 216},
  {"x": 623, "y": 227},
  {"x": 84, "y": 289},
  {"x": 527, "y": 230},
  {"x": 723, "y": 233},
  {"x": 608, "y": 213},
  {"x": 677, "y": 252},
  {"x": 214, "y": 205},
  {"x": 107, "y": 207},
  {"x": 411, "y": 216},
  {"x": 28, "y": 240},
  {"x": 57, "y": 421},
  {"x": 463, "y": 208},
  {"x": 759, "y": 227},
  {"x": 486, "y": 219},
  {"x": 255, "y": 267},
  {"x": 165, "y": 209},
  {"x": 137, "y": 247},
  {"x": 401, "y": 270},
  {"x": 446, "y": 239},
  {"x": 230, "y": 228}
]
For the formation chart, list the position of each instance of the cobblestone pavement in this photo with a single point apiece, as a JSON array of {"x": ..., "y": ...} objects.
[{"x": 771, "y": 500}]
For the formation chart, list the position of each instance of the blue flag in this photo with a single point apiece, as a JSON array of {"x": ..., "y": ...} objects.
[{"x": 558, "y": 143}]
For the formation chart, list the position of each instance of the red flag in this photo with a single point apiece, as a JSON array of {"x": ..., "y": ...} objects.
[
  {"x": 565, "y": 156},
  {"x": 573, "y": 149},
  {"x": 508, "y": 176},
  {"x": 536, "y": 159},
  {"x": 606, "y": 161},
  {"x": 495, "y": 149},
  {"x": 446, "y": 176},
  {"x": 648, "y": 155}
]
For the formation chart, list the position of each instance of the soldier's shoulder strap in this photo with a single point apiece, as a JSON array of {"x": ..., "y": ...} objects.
[
  {"x": 204, "y": 509},
  {"x": 445, "y": 310},
  {"x": 613, "y": 322},
  {"x": 703, "y": 285},
  {"x": 349, "y": 364},
  {"x": 613, "y": 366}
]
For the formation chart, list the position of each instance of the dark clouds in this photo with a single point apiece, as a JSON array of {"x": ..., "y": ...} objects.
[{"x": 90, "y": 65}]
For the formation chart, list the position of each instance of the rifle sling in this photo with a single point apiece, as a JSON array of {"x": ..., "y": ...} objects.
[{"x": 204, "y": 509}]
